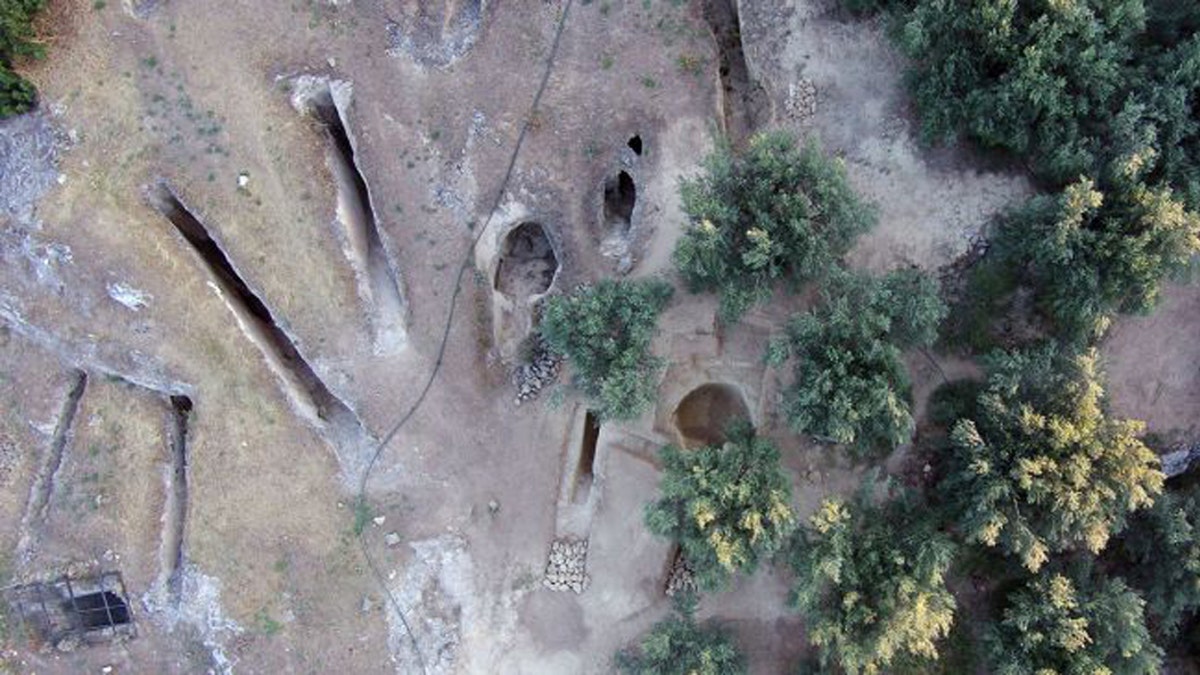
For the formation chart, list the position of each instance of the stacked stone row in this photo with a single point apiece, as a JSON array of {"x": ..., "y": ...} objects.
[{"x": 566, "y": 569}]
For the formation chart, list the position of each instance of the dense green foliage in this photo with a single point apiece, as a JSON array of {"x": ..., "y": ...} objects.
[
  {"x": 871, "y": 582},
  {"x": 605, "y": 330},
  {"x": 1054, "y": 625},
  {"x": 1100, "y": 99},
  {"x": 1040, "y": 467},
  {"x": 677, "y": 646},
  {"x": 727, "y": 507},
  {"x": 1162, "y": 549},
  {"x": 1037, "y": 78},
  {"x": 850, "y": 384},
  {"x": 1094, "y": 254},
  {"x": 16, "y": 41},
  {"x": 775, "y": 213}
]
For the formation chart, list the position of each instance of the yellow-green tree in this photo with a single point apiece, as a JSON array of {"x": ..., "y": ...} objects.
[
  {"x": 727, "y": 507},
  {"x": 870, "y": 580},
  {"x": 1040, "y": 467},
  {"x": 1056, "y": 625}
]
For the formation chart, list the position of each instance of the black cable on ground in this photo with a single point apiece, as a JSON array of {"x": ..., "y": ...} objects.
[{"x": 441, "y": 351}]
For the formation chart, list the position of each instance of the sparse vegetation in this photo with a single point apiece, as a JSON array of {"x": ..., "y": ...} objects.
[
  {"x": 605, "y": 331},
  {"x": 776, "y": 213},
  {"x": 1041, "y": 468},
  {"x": 870, "y": 580},
  {"x": 678, "y": 646},
  {"x": 850, "y": 385},
  {"x": 727, "y": 507}
]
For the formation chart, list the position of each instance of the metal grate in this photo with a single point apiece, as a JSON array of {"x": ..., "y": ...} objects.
[{"x": 89, "y": 609}]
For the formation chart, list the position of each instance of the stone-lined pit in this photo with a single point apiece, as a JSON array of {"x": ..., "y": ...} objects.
[
  {"x": 527, "y": 263},
  {"x": 706, "y": 412}
]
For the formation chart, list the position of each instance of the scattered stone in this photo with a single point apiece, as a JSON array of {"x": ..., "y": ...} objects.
[
  {"x": 128, "y": 296},
  {"x": 801, "y": 102},
  {"x": 1180, "y": 460},
  {"x": 566, "y": 569},
  {"x": 391, "y": 539},
  {"x": 493, "y": 507},
  {"x": 368, "y": 604},
  {"x": 541, "y": 370},
  {"x": 379, "y": 520},
  {"x": 680, "y": 579},
  {"x": 106, "y": 669},
  {"x": 243, "y": 180},
  {"x": 68, "y": 644}
]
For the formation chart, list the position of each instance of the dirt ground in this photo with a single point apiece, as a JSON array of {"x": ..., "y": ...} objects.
[{"x": 233, "y": 522}]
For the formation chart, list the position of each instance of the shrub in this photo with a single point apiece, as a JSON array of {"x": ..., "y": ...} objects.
[
  {"x": 870, "y": 580},
  {"x": 727, "y": 507},
  {"x": 17, "y": 41},
  {"x": 605, "y": 331},
  {"x": 677, "y": 646},
  {"x": 1040, "y": 467},
  {"x": 1055, "y": 625},
  {"x": 850, "y": 384},
  {"x": 775, "y": 213}
]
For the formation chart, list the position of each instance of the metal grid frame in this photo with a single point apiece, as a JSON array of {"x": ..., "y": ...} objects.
[{"x": 51, "y": 612}]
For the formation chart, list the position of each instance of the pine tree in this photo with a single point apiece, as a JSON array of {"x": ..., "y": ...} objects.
[{"x": 1162, "y": 552}]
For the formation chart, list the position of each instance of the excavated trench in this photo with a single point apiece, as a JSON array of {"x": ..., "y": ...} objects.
[
  {"x": 39, "y": 494},
  {"x": 706, "y": 412},
  {"x": 379, "y": 281},
  {"x": 175, "y": 511},
  {"x": 527, "y": 262},
  {"x": 620, "y": 198},
  {"x": 585, "y": 470},
  {"x": 304, "y": 388},
  {"x": 744, "y": 103}
]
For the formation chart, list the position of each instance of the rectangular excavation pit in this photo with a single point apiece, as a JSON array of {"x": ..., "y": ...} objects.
[
  {"x": 175, "y": 511},
  {"x": 585, "y": 469},
  {"x": 304, "y": 389},
  {"x": 744, "y": 102},
  {"x": 88, "y": 610},
  {"x": 37, "y": 507},
  {"x": 377, "y": 273}
]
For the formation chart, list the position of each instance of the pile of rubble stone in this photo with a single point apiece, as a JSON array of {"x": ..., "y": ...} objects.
[
  {"x": 801, "y": 101},
  {"x": 680, "y": 578},
  {"x": 567, "y": 568},
  {"x": 541, "y": 370}
]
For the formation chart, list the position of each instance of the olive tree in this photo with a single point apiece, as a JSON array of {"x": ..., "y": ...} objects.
[
  {"x": 678, "y": 646},
  {"x": 850, "y": 384},
  {"x": 605, "y": 331},
  {"x": 778, "y": 212}
]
